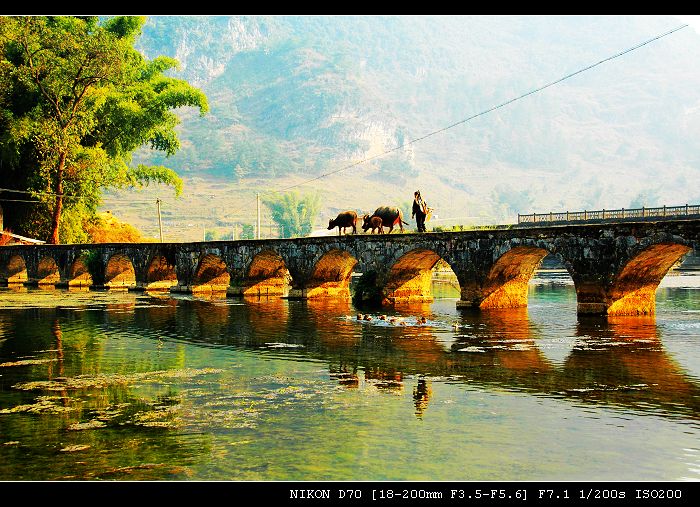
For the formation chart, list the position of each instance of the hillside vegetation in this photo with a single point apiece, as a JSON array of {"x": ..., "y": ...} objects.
[{"x": 293, "y": 98}]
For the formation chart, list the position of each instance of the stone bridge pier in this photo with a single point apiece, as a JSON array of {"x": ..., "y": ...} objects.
[{"x": 615, "y": 267}]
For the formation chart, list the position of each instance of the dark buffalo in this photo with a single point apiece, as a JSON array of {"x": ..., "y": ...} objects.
[
  {"x": 375, "y": 223},
  {"x": 390, "y": 215},
  {"x": 344, "y": 220}
]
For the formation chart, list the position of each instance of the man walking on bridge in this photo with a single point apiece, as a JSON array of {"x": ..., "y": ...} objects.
[{"x": 419, "y": 211}]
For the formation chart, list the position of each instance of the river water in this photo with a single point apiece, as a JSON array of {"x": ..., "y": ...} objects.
[{"x": 104, "y": 385}]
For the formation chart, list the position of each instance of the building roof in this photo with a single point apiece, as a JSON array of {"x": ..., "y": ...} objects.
[{"x": 16, "y": 238}]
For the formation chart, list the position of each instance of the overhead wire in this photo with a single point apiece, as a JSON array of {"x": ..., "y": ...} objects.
[{"x": 18, "y": 200}]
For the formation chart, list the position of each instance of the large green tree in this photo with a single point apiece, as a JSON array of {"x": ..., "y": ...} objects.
[
  {"x": 76, "y": 100},
  {"x": 294, "y": 212}
]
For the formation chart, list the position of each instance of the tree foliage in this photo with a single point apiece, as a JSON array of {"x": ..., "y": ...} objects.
[
  {"x": 295, "y": 213},
  {"x": 247, "y": 231},
  {"x": 76, "y": 100}
]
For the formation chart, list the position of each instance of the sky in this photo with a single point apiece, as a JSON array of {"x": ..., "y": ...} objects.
[{"x": 693, "y": 21}]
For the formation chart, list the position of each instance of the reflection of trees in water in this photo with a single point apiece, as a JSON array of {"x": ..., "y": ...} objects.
[
  {"x": 85, "y": 419},
  {"x": 58, "y": 336}
]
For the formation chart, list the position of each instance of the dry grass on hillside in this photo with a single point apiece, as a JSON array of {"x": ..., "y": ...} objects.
[{"x": 108, "y": 229}]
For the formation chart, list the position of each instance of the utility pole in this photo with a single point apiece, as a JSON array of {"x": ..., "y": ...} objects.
[
  {"x": 233, "y": 234},
  {"x": 257, "y": 229},
  {"x": 160, "y": 224}
]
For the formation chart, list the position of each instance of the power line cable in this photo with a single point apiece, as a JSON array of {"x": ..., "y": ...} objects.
[
  {"x": 75, "y": 196},
  {"x": 12, "y": 190},
  {"x": 18, "y": 200}
]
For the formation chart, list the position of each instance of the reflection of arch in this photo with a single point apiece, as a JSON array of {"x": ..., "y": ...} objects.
[
  {"x": 211, "y": 275},
  {"x": 268, "y": 317},
  {"x": 649, "y": 362},
  {"x": 634, "y": 289},
  {"x": 16, "y": 270},
  {"x": 633, "y": 345},
  {"x": 267, "y": 275},
  {"x": 78, "y": 274},
  {"x": 120, "y": 272},
  {"x": 331, "y": 276},
  {"x": 212, "y": 318},
  {"x": 507, "y": 282},
  {"x": 410, "y": 278},
  {"x": 48, "y": 273},
  {"x": 328, "y": 316},
  {"x": 161, "y": 274},
  {"x": 505, "y": 337}
]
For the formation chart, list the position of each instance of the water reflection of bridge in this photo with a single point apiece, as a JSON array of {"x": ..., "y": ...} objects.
[{"x": 615, "y": 361}]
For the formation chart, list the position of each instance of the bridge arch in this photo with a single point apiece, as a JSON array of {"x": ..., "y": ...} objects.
[
  {"x": 160, "y": 274},
  {"x": 506, "y": 284},
  {"x": 16, "y": 270},
  {"x": 211, "y": 275},
  {"x": 633, "y": 290},
  {"x": 331, "y": 275},
  {"x": 79, "y": 273},
  {"x": 48, "y": 272},
  {"x": 410, "y": 277},
  {"x": 120, "y": 272},
  {"x": 267, "y": 275}
]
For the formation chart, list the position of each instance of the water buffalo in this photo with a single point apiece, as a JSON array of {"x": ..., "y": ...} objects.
[
  {"x": 390, "y": 215},
  {"x": 343, "y": 220},
  {"x": 375, "y": 223}
]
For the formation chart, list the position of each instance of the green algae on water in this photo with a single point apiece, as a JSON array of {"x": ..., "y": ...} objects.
[{"x": 106, "y": 380}]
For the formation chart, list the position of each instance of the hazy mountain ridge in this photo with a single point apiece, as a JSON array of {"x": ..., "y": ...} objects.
[{"x": 294, "y": 97}]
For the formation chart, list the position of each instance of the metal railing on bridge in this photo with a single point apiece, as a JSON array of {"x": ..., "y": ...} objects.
[{"x": 610, "y": 214}]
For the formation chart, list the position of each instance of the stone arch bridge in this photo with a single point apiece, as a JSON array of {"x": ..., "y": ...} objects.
[{"x": 615, "y": 267}]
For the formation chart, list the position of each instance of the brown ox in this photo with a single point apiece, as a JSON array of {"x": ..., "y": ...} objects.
[
  {"x": 375, "y": 223},
  {"x": 390, "y": 216},
  {"x": 344, "y": 220}
]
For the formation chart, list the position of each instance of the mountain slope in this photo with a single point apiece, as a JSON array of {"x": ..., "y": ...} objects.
[{"x": 294, "y": 98}]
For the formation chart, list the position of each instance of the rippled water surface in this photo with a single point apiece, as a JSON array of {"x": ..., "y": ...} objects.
[{"x": 131, "y": 386}]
